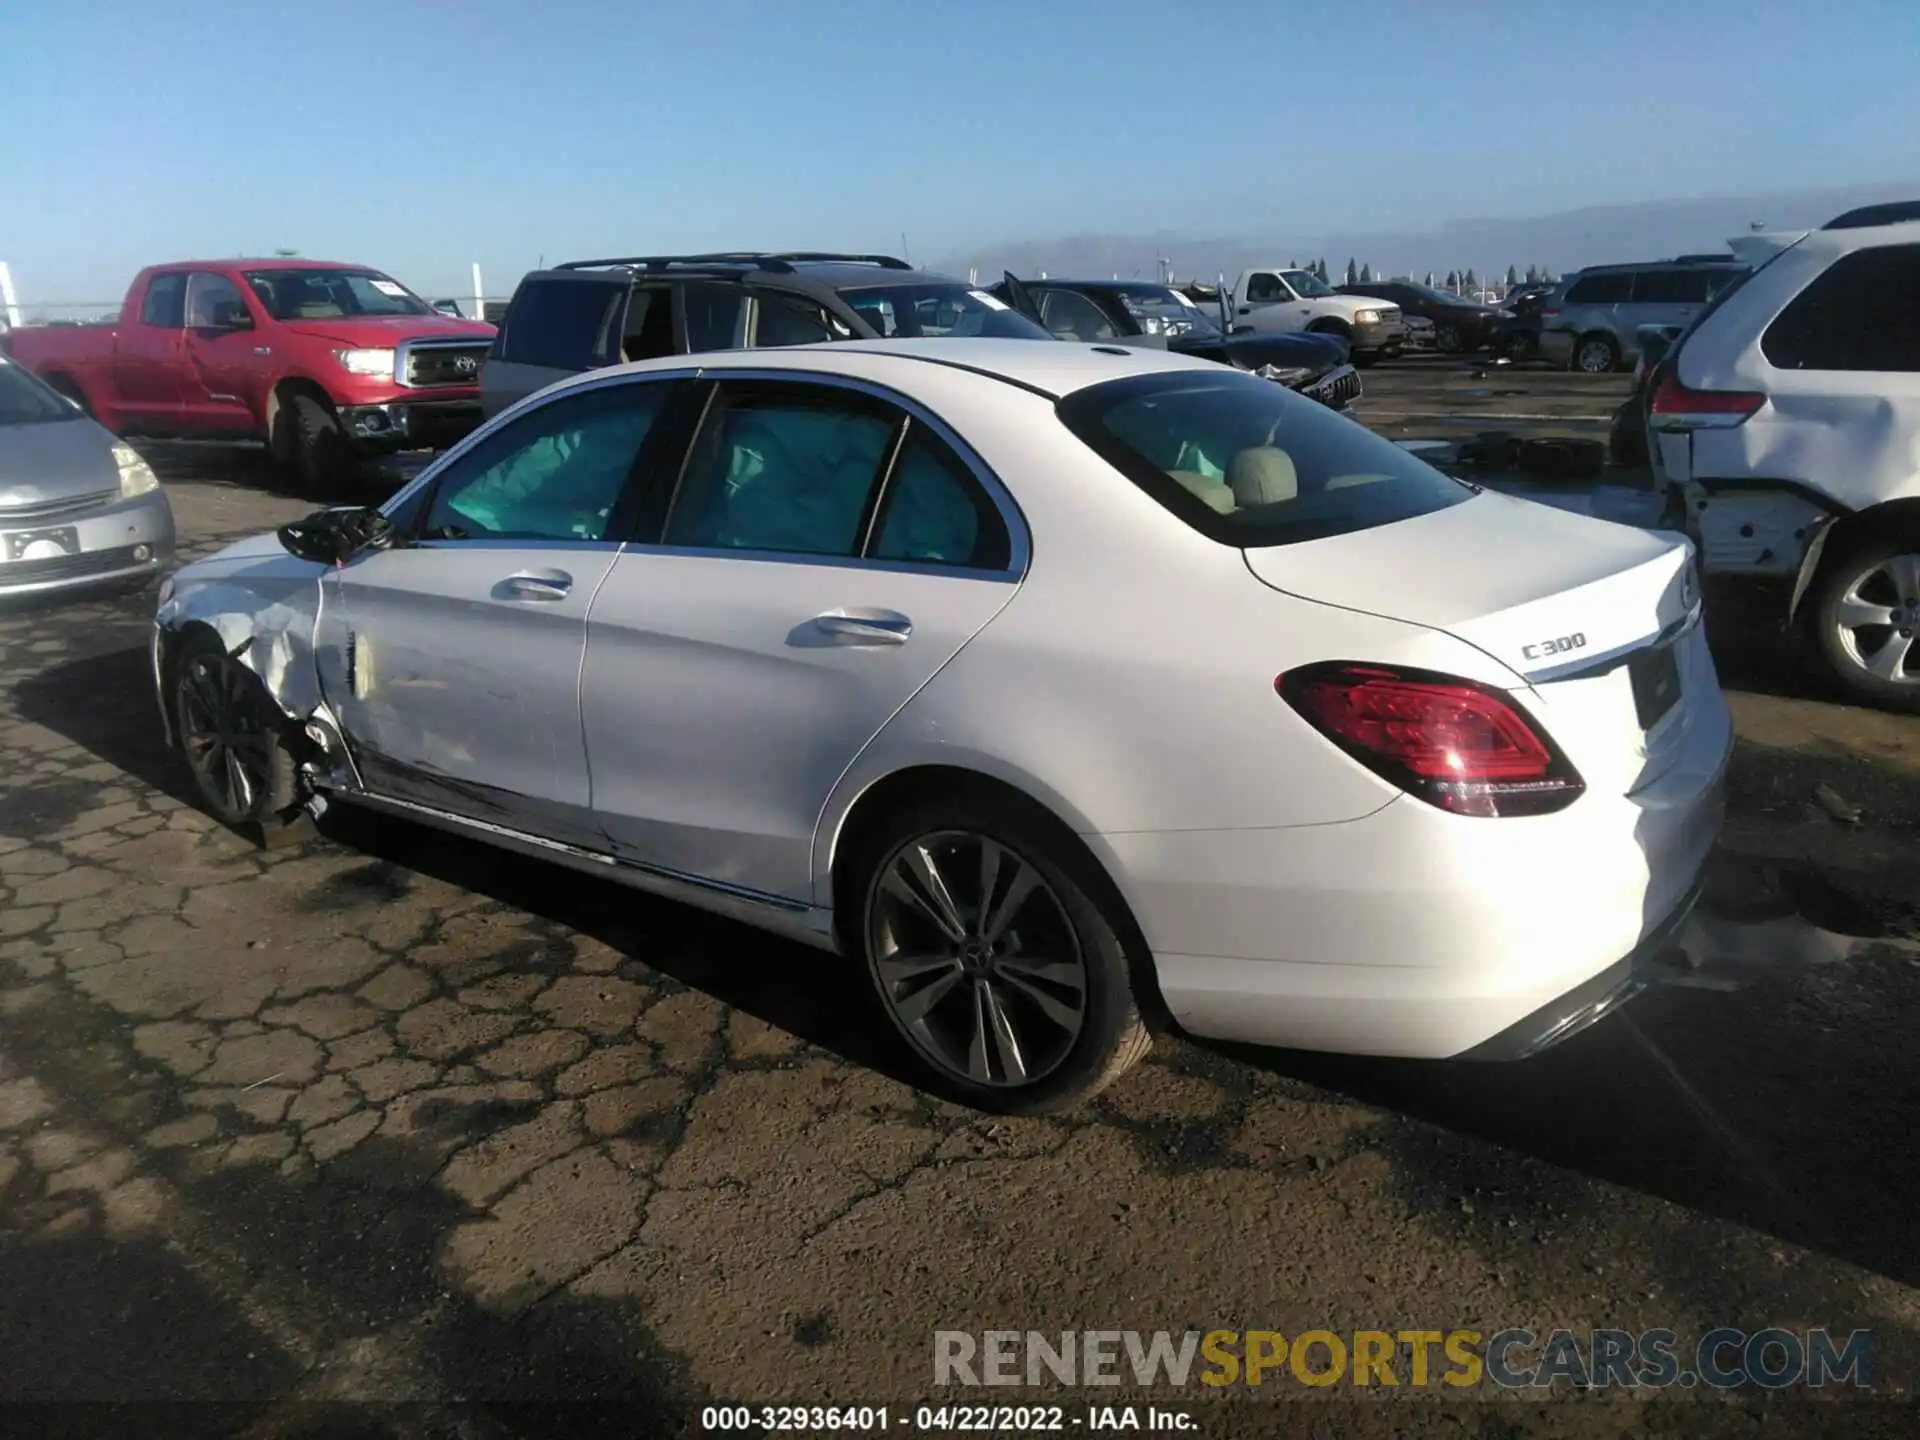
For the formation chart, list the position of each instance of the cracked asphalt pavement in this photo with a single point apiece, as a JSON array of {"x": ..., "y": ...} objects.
[{"x": 391, "y": 1117}]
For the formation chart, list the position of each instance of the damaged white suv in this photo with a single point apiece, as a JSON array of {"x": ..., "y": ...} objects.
[{"x": 1786, "y": 421}]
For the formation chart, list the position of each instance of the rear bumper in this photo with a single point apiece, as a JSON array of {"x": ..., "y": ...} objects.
[
  {"x": 409, "y": 424},
  {"x": 1416, "y": 933},
  {"x": 122, "y": 541}
]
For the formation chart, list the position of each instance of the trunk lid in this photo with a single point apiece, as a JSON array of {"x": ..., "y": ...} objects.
[{"x": 1598, "y": 620}]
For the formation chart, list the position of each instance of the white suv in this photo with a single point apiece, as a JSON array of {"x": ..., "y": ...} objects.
[{"x": 1787, "y": 421}]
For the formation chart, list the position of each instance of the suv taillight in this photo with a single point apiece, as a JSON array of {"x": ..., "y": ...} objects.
[
  {"x": 1684, "y": 409},
  {"x": 1453, "y": 743}
]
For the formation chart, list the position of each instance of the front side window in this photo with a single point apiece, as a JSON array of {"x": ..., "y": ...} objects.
[
  {"x": 165, "y": 304},
  {"x": 1862, "y": 313},
  {"x": 784, "y": 468},
  {"x": 553, "y": 474},
  {"x": 934, "y": 512},
  {"x": 1262, "y": 286},
  {"x": 317, "y": 293},
  {"x": 212, "y": 300},
  {"x": 1070, "y": 315},
  {"x": 564, "y": 324},
  {"x": 1248, "y": 463},
  {"x": 1305, "y": 282}
]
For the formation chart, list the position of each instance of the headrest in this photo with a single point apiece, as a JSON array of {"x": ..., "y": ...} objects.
[{"x": 1262, "y": 476}]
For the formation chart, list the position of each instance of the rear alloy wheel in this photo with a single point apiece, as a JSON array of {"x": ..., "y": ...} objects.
[
  {"x": 1869, "y": 618},
  {"x": 234, "y": 739},
  {"x": 1596, "y": 355},
  {"x": 994, "y": 962}
]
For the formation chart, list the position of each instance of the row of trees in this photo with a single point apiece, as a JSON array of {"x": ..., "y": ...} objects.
[{"x": 1456, "y": 280}]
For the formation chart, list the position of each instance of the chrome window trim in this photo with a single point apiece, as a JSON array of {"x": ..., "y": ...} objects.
[{"x": 1019, "y": 541}]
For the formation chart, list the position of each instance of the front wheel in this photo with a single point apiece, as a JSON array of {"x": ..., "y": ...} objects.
[
  {"x": 1446, "y": 340},
  {"x": 993, "y": 958},
  {"x": 309, "y": 444},
  {"x": 1868, "y": 618},
  {"x": 236, "y": 743}
]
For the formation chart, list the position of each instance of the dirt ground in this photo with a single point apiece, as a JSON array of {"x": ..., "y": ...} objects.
[{"x": 394, "y": 1122}]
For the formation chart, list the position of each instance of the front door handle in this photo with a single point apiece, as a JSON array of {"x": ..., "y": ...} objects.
[
  {"x": 535, "y": 585},
  {"x": 885, "y": 629}
]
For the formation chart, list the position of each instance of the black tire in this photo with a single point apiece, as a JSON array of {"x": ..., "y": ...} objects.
[
  {"x": 1594, "y": 354},
  {"x": 1850, "y": 583},
  {"x": 1627, "y": 436},
  {"x": 1063, "y": 933},
  {"x": 226, "y": 725},
  {"x": 1557, "y": 457},
  {"x": 310, "y": 446},
  {"x": 1364, "y": 359}
]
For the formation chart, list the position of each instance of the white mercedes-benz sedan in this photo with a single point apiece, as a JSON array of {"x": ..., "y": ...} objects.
[{"x": 1067, "y": 689}]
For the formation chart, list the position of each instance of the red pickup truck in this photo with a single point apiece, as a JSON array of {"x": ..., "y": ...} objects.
[{"x": 321, "y": 361}]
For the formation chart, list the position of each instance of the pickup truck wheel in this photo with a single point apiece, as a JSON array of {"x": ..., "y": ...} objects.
[
  {"x": 307, "y": 439},
  {"x": 1868, "y": 621}
]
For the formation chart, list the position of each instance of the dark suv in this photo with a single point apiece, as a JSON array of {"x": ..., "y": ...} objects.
[{"x": 593, "y": 313}]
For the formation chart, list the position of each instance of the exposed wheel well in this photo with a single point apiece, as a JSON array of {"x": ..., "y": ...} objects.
[
  {"x": 921, "y": 783},
  {"x": 64, "y": 383},
  {"x": 286, "y": 390},
  {"x": 1328, "y": 325},
  {"x": 1850, "y": 534}
]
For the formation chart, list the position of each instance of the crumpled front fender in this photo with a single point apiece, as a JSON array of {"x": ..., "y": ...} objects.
[{"x": 264, "y": 616}]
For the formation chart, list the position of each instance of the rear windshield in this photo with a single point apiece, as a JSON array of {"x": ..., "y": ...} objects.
[{"x": 1249, "y": 463}]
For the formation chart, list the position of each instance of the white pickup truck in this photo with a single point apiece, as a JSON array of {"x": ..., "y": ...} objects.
[{"x": 1270, "y": 301}]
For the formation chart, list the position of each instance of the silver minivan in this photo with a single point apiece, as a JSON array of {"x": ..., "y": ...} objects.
[{"x": 1589, "y": 322}]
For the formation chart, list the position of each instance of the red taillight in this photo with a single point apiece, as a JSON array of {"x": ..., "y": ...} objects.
[
  {"x": 1454, "y": 743},
  {"x": 1549, "y": 314},
  {"x": 1683, "y": 408}
]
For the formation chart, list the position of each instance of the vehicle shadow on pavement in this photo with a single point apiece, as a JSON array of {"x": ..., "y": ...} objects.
[
  {"x": 1773, "y": 1085},
  {"x": 250, "y": 467}
]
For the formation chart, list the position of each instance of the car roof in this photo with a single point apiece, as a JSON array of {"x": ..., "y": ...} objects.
[
  {"x": 1054, "y": 368},
  {"x": 792, "y": 270}
]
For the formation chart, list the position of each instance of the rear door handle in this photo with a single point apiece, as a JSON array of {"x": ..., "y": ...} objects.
[
  {"x": 865, "y": 629},
  {"x": 535, "y": 585}
]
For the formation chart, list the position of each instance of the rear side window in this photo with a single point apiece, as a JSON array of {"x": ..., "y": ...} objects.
[
  {"x": 1671, "y": 287},
  {"x": 564, "y": 324},
  {"x": 1862, "y": 313},
  {"x": 1615, "y": 288},
  {"x": 782, "y": 468},
  {"x": 934, "y": 511},
  {"x": 716, "y": 316},
  {"x": 165, "y": 304},
  {"x": 1248, "y": 463}
]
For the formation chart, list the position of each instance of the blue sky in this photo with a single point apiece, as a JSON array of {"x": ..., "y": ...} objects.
[{"x": 423, "y": 135}]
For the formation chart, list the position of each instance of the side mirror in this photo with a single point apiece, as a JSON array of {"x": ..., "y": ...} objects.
[
  {"x": 333, "y": 537},
  {"x": 231, "y": 315}
]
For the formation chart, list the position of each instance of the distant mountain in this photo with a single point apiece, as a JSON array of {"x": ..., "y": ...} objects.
[{"x": 1648, "y": 230}]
